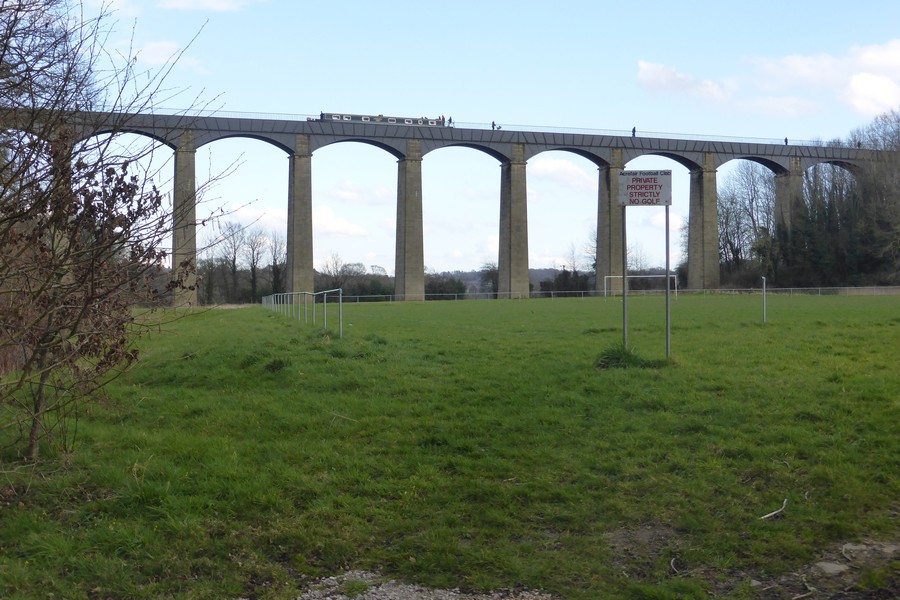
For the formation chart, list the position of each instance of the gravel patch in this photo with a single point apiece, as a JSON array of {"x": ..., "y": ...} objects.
[{"x": 363, "y": 585}]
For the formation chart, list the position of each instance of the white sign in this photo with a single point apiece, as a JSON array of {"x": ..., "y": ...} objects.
[{"x": 645, "y": 188}]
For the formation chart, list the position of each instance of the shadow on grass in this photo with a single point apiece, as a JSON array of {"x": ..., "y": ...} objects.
[{"x": 620, "y": 357}]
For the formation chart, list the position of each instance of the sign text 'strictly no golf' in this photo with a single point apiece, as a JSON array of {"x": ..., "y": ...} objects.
[{"x": 645, "y": 188}]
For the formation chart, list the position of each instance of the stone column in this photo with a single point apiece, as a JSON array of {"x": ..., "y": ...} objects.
[
  {"x": 703, "y": 227},
  {"x": 512, "y": 264},
  {"x": 184, "y": 219},
  {"x": 299, "y": 227},
  {"x": 409, "y": 264},
  {"x": 788, "y": 194},
  {"x": 609, "y": 223}
]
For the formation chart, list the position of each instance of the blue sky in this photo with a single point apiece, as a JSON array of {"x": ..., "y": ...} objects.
[{"x": 801, "y": 69}]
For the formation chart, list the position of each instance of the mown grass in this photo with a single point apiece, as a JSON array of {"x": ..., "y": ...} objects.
[{"x": 475, "y": 445}]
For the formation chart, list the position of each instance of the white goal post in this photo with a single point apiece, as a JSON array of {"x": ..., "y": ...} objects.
[{"x": 606, "y": 279}]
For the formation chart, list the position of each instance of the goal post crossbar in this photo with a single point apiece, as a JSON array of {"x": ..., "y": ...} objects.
[{"x": 606, "y": 279}]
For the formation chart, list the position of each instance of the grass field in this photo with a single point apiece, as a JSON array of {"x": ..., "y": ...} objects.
[{"x": 476, "y": 445}]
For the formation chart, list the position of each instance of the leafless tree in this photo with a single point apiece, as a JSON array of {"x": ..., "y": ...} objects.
[
  {"x": 589, "y": 252},
  {"x": 489, "y": 278},
  {"x": 231, "y": 246},
  {"x": 207, "y": 267},
  {"x": 746, "y": 213},
  {"x": 277, "y": 261},
  {"x": 637, "y": 258},
  {"x": 336, "y": 273},
  {"x": 573, "y": 261},
  {"x": 255, "y": 243},
  {"x": 734, "y": 236},
  {"x": 81, "y": 229}
]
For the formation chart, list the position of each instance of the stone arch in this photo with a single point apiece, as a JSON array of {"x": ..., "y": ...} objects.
[
  {"x": 201, "y": 141},
  {"x": 475, "y": 211},
  {"x": 849, "y": 166},
  {"x": 490, "y": 150},
  {"x": 253, "y": 165},
  {"x": 598, "y": 160},
  {"x": 345, "y": 176},
  {"x": 84, "y": 134},
  {"x": 584, "y": 189},
  {"x": 512, "y": 255},
  {"x": 389, "y": 145},
  {"x": 646, "y": 229},
  {"x": 789, "y": 181},
  {"x": 702, "y": 248},
  {"x": 691, "y": 163},
  {"x": 776, "y": 167}
]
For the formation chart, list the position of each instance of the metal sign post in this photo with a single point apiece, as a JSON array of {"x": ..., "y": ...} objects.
[
  {"x": 668, "y": 311},
  {"x": 624, "y": 284},
  {"x": 644, "y": 188}
]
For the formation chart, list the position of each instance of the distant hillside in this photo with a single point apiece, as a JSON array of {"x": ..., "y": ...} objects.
[{"x": 474, "y": 277}]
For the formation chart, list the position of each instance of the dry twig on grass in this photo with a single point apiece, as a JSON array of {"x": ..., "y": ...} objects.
[
  {"x": 672, "y": 566},
  {"x": 775, "y": 512}
]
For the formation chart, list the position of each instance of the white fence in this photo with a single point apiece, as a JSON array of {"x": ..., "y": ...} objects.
[
  {"x": 809, "y": 291},
  {"x": 303, "y": 305},
  {"x": 300, "y": 305}
]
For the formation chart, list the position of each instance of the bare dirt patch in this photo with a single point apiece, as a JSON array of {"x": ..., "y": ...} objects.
[
  {"x": 850, "y": 571},
  {"x": 363, "y": 585},
  {"x": 637, "y": 550}
]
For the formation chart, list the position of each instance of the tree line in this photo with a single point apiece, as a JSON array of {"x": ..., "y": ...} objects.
[
  {"x": 845, "y": 232},
  {"x": 243, "y": 264}
]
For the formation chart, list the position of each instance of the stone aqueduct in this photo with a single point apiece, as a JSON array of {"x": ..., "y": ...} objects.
[{"x": 513, "y": 148}]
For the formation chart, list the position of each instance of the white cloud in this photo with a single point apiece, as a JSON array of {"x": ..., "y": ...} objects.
[
  {"x": 326, "y": 221},
  {"x": 547, "y": 259},
  {"x": 658, "y": 77},
  {"x": 491, "y": 247},
  {"x": 884, "y": 57},
  {"x": 871, "y": 94},
  {"x": 561, "y": 171},
  {"x": 783, "y": 106},
  {"x": 658, "y": 221},
  {"x": 164, "y": 52},
  {"x": 118, "y": 8},
  {"x": 789, "y": 71},
  {"x": 158, "y": 53},
  {"x": 213, "y": 5},
  {"x": 867, "y": 78},
  {"x": 348, "y": 191}
]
